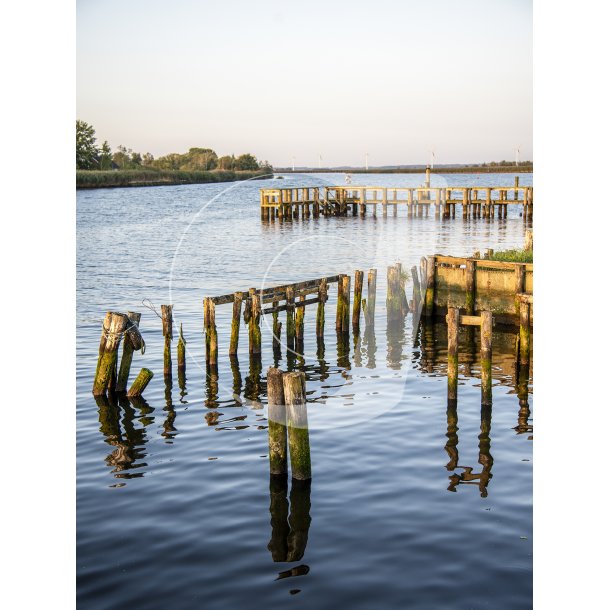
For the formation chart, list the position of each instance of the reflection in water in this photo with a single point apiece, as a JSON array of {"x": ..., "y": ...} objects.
[
  {"x": 211, "y": 386},
  {"x": 370, "y": 345},
  {"x": 452, "y": 437},
  {"x": 396, "y": 338},
  {"x": 182, "y": 385},
  {"x": 467, "y": 477},
  {"x": 523, "y": 426},
  {"x": 289, "y": 531},
  {"x": 128, "y": 441},
  {"x": 428, "y": 347},
  {"x": 169, "y": 431},
  {"x": 237, "y": 381},
  {"x": 343, "y": 350},
  {"x": 254, "y": 387}
]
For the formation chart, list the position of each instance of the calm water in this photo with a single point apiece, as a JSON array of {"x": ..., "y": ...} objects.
[{"x": 412, "y": 503}]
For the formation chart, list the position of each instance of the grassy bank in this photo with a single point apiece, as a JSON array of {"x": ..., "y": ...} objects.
[
  {"x": 513, "y": 256},
  {"x": 91, "y": 179}
]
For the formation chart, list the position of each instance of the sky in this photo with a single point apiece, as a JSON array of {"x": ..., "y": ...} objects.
[{"x": 396, "y": 79}]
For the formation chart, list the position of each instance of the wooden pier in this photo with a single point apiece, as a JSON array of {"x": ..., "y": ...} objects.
[{"x": 474, "y": 201}]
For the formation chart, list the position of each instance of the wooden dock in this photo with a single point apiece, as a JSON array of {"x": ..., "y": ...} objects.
[{"x": 474, "y": 201}]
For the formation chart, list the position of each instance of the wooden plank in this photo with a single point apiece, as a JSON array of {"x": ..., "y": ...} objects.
[
  {"x": 279, "y": 308},
  {"x": 470, "y": 320}
]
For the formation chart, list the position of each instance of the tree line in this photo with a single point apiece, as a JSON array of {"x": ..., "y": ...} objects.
[{"x": 91, "y": 156}]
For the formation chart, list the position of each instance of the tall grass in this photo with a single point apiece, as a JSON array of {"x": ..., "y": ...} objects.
[
  {"x": 156, "y": 177},
  {"x": 513, "y": 256}
]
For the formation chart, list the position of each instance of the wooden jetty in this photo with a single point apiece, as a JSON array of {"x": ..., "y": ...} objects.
[{"x": 474, "y": 201}]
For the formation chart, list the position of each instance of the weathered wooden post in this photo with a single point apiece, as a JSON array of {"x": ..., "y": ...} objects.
[
  {"x": 112, "y": 331},
  {"x": 238, "y": 298},
  {"x": 298, "y": 432},
  {"x": 453, "y": 324},
  {"x": 362, "y": 202},
  {"x": 384, "y": 204},
  {"x": 278, "y": 445},
  {"x": 140, "y": 383},
  {"x": 358, "y": 282},
  {"x": 529, "y": 240},
  {"x": 290, "y": 329},
  {"x": 133, "y": 341},
  {"x": 322, "y": 297},
  {"x": 277, "y": 333},
  {"x": 519, "y": 285},
  {"x": 340, "y": 304},
  {"x": 371, "y": 293},
  {"x": 211, "y": 335},
  {"x": 516, "y": 197},
  {"x": 167, "y": 320},
  {"x": 299, "y": 322},
  {"x": 486, "y": 331},
  {"x": 181, "y": 350},
  {"x": 470, "y": 287},
  {"x": 394, "y": 298},
  {"x": 254, "y": 327},
  {"x": 345, "y": 293},
  {"x": 430, "y": 285},
  {"x": 524, "y": 331},
  {"x": 416, "y": 288}
]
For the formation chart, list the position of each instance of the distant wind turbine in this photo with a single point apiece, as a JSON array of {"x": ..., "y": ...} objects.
[
  {"x": 517, "y": 151},
  {"x": 432, "y": 159}
]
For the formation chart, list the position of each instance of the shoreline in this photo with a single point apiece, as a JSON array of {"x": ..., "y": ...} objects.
[
  {"x": 441, "y": 170},
  {"x": 94, "y": 179}
]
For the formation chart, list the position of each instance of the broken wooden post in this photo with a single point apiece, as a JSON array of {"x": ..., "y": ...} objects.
[
  {"x": 298, "y": 432},
  {"x": 112, "y": 331},
  {"x": 278, "y": 445},
  {"x": 371, "y": 297},
  {"x": 453, "y": 324},
  {"x": 299, "y": 324},
  {"x": 238, "y": 298},
  {"x": 396, "y": 302},
  {"x": 133, "y": 341},
  {"x": 277, "y": 333},
  {"x": 358, "y": 282},
  {"x": 430, "y": 285},
  {"x": 529, "y": 240},
  {"x": 167, "y": 319},
  {"x": 254, "y": 328},
  {"x": 290, "y": 329},
  {"x": 524, "y": 331},
  {"x": 181, "y": 352},
  {"x": 519, "y": 285},
  {"x": 322, "y": 298},
  {"x": 140, "y": 383},
  {"x": 470, "y": 287},
  {"x": 416, "y": 289},
  {"x": 342, "y": 317},
  {"x": 486, "y": 330},
  {"x": 211, "y": 335}
]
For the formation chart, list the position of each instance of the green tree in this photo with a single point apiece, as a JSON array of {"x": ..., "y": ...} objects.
[
  {"x": 147, "y": 159},
  {"x": 105, "y": 156},
  {"x": 226, "y": 162},
  {"x": 86, "y": 150},
  {"x": 245, "y": 162}
]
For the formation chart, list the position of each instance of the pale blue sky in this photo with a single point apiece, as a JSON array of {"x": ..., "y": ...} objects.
[{"x": 279, "y": 79}]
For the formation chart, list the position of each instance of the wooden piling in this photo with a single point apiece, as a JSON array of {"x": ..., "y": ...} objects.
[
  {"x": 167, "y": 319},
  {"x": 416, "y": 288},
  {"x": 237, "y": 301},
  {"x": 470, "y": 287},
  {"x": 524, "y": 332},
  {"x": 529, "y": 240},
  {"x": 128, "y": 350},
  {"x": 358, "y": 282},
  {"x": 254, "y": 328},
  {"x": 278, "y": 444},
  {"x": 181, "y": 351},
  {"x": 322, "y": 298},
  {"x": 394, "y": 301},
  {"x": 299, "y": 324},
  {"x": 453, "y": 323},
  {"x": 140, "y": 383},
  {"x": 112, "y": 331},
  {"x": 486, "y": 331},
  {"x": 290, "y": 325},
  {"x": 371, "y": 295},
  {"x": 211, "y": 335},
  {"x": 298, "y": 432},
  {"x": 519, "y": 285},
  {"x": 430, "y": 285}
]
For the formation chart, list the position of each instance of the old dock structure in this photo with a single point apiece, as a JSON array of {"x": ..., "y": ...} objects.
[{"x": 473, "y": 201}]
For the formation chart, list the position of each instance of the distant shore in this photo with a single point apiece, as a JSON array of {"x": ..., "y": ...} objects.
[
  {"x": 93, "y": 179},
  {"x": 459, "y": 169}
]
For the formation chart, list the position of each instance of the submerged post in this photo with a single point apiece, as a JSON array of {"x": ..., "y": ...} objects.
[
  {"x": 298, "y": 432},
  {"x": 524, "y": 332},
  {"x": 211, "y": 336},
  {"x": 486, "y": 330},
  {"x": 322, "y": 297},
  {"x": 470, "y": 287},
  {"x": 254, "y": 328},
  {"x": 430, "y": 285},
  {"x": 181, "y": 350},
  {"x": 140, "y": 383},
  {"x": 133, "y": 341},
  {"x": 238, "y": 298},
  {"x": 358, "y": 282},
  {"x": 167, "y": 319},
  {"x": 112, "y": 331},
  {"x": 453, "y": 323},
  {"x": 371, "y": 296},
  {"x": 290, "y": 330},
  {"x": 278, "y": 445}
]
